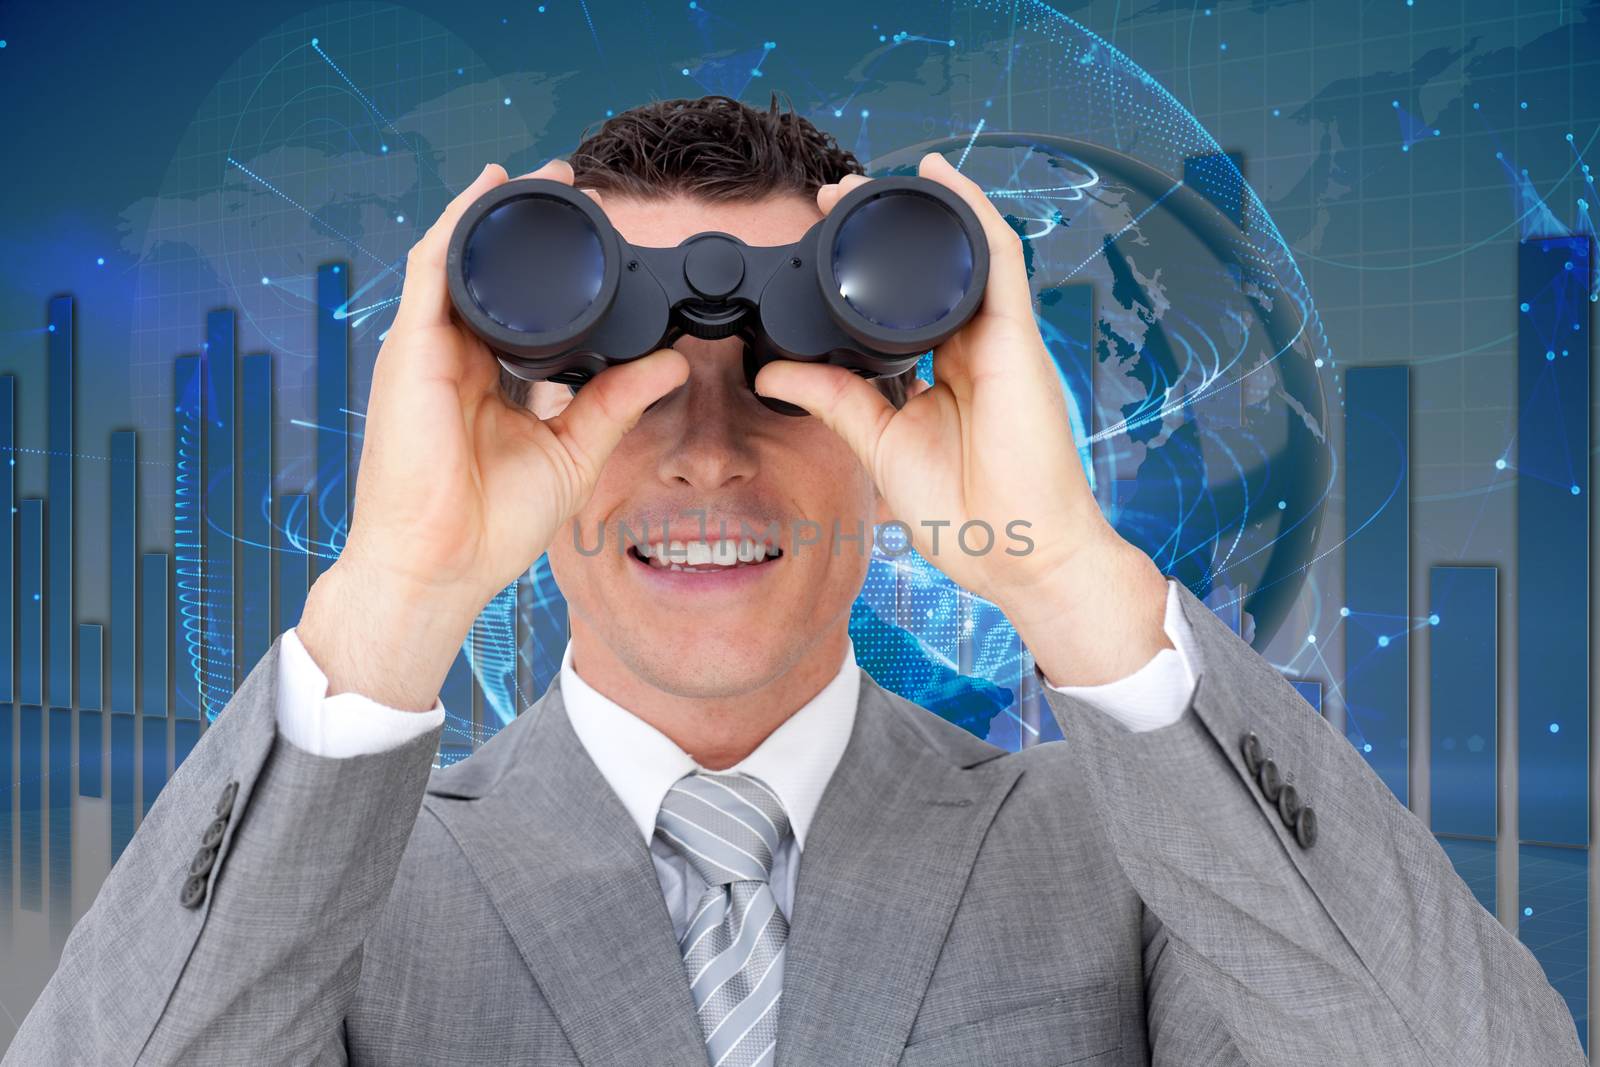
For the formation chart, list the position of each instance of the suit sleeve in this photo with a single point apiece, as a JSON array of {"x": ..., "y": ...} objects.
[
  {"x": 230, "y": 930},
  {"x": 1296, "y": 912}
]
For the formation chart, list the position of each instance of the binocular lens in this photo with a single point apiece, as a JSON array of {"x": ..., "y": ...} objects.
[
  {"x": 533, "y": 264},
  {"x": 902, "y": 261}
]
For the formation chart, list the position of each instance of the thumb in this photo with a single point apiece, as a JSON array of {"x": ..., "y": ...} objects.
[
  {"x": 848, "y": 404},
  {"x": 611, "y": 403}
]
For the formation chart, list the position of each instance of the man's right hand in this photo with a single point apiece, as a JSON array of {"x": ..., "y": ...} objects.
[{"x": 459, "y": 490}]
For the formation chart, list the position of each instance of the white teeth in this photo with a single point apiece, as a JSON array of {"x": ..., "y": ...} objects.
[{"x": 725, "y": 552}]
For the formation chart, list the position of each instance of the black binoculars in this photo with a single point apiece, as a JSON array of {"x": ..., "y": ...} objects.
[{"x": 538, "y": 272}]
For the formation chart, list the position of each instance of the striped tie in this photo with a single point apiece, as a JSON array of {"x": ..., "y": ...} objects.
[{"x": 728, "y": 826}]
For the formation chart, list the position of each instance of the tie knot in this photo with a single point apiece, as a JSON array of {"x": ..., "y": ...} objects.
[{"x": 726, "y": 824}]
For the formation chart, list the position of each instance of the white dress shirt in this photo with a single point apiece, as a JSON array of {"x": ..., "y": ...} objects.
[{"x": 640, "y": 763}]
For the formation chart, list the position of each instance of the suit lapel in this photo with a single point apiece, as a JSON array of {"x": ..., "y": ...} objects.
[
  {"x": 565, "y": 867},
  {"x": 887, "y": 858}
]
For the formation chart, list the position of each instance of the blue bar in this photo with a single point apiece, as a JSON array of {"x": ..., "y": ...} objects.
[
  {"x": 155, "y": 760},
  {"x": 8, "y": 862},
  {"x": 188, "y": 555},
  {"x": 123, "y": 754},
  {"x": 333, "y": 398},
  {"x": 8, "y": 555},
  {"x": 60, "y": 823},
  {"x": 91, "y": 732},
  {"x": 124, "y": 570},
  {"x": 30, "y": 601},
  {"x": 294, "y": 568},
  {"x": 1464, "y": 698},
  {"x": 255, "y": 510},
  {"x": 1553, "y": 891},
  {"x": 217, "y": 533},
  {"x": 1376, "y": 580},
  {"x": 1312, "y": 691},
  {"x": 185, "y": 735},
  {"x": 30, "y": 775},
  {"x": 63, "y": 452},
  {"x": 1552, "y": 463},
  {"x": 154, "y": 687}
]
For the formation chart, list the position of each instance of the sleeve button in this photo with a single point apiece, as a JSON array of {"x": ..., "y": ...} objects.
[
  {"x": 1288, "y": 805},
  {"x": 1271, "y": 781},
  {"x": 203, "y": 861},
  {"x": 194, "y": 891},
  {"x": 1252, "y": 752},
  {"x": 1305, "y": 827},
  {"x": 213, "y": 833},
  {"x": 225, "y": 802}
]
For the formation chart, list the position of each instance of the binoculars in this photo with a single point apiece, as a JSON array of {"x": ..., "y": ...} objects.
[{"x": 537, "y": 271}]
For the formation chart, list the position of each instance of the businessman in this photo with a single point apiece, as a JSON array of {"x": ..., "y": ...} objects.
[{"x": 713, "y": 839}]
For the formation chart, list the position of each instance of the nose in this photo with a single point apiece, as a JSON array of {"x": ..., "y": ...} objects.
[{"x": 705, "y": 424}]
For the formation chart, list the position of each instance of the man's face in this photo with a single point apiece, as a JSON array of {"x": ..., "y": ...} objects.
[{"x": 712, "y": 447}]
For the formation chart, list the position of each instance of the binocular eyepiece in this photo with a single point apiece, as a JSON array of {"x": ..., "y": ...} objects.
[{"x": 537, "y": 271}]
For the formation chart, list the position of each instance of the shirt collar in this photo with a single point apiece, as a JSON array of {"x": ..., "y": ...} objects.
[{"x": 640, "y": 763}]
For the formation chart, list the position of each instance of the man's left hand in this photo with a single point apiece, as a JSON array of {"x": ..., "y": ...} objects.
[{"x": 989, "y": 444}]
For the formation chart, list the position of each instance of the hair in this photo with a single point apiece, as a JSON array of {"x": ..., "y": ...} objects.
[{"x": 718, "y": 149}]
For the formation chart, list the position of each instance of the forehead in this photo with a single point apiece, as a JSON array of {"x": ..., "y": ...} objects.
[{"x": 665, "y": 221}]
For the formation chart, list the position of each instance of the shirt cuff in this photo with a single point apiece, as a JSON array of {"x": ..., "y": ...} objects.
[
  {"x": 342, "y": 725},
  {"x": 1155, "y": 695}
]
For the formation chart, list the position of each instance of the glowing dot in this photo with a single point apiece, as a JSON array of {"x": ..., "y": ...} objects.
[
  {"x": 36, "y": 596},
  {"x": 1524, "y": 105},
  {"x": 865, "y": 112},
  {"x": 1433, "y": 620},
  {"x": 337, "y": 269},
  {"x": 882, "y": 38},
  {"x": 1367, "y": 747},
  {"x": 1527, "y": 911},
  {"x": 1550, "y": 355},
  {"x": 1318, "y": 361},
  {"x": 52, "y": 327},
  {"x": 1224, "y": 46},
  {"x": 1555, "y": 728},
  {"x": 2, "y": 43},
  {"x": 1476, "y": 106},
  {"x": 837, "y": 113},
  {"x": 755, "y": 72},
  {"x": 1311, "y": 639},
  {"x": 951, "y": 42},
  {"x": 461, "y": 70},
  {"x": 1569, "y": 136},
  {"x": 264, "y": 279},
  {"x": 507, "y": 101},
  {"x": 1276, "y": 112},
  {"x": 1383, "y": 641},
  {"x": 1576, "y": 491},
  {"x": 684, "y": 72},
  {"x": 313, "y": 42},
  {"x": 1344, "y": 612},
  {"x": 692, "y": 5},
  {"x": 1499, "y": 464},
  {"x": 1282, "y": 504},
  {"x": 1405, "y": 148},
  {"x": 100, "y": 261},
  {"x": 609, "y": 112},
  {"x": 541, "y": 8},
  {"x": 1523, "y": 305},
  {"x": 399, "y": 218},
  {"x": 1394, "y": 103},
  {"x": 1436, "y": 133},
  {"x": 383, "y": 148}
]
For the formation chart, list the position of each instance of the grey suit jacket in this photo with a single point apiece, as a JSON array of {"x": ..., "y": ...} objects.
[{"x": 1118, "y": 898}]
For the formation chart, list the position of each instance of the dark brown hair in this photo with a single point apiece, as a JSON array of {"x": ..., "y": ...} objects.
[{"x": 715, "y": 148}]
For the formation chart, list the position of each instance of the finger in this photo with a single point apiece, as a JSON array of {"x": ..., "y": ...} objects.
[
  {"x": 849, "y": 405},
  {"x": 829, "y": 194},
  {"x": 1008, "y": 291},
  {"x": 610, "y": 404}
]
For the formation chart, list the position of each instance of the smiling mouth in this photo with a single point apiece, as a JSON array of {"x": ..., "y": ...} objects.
[{"x": 707, "y": 557}]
